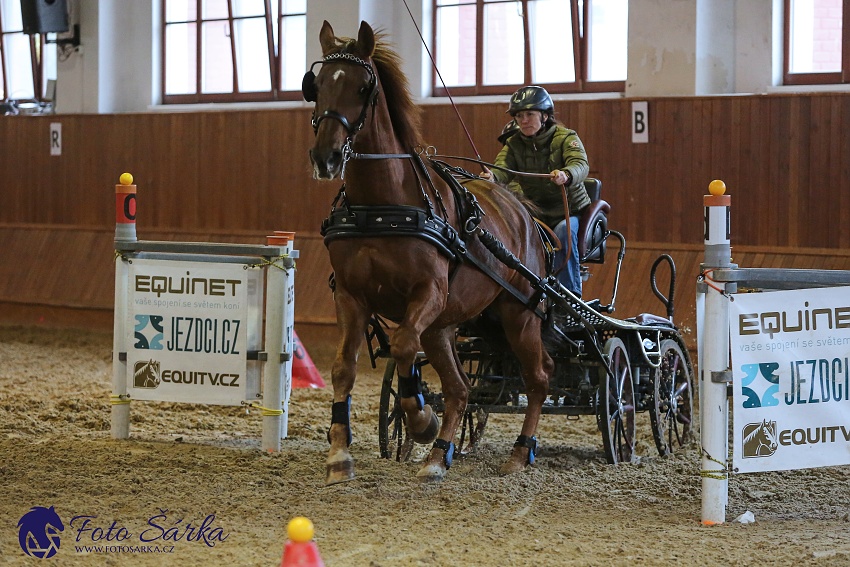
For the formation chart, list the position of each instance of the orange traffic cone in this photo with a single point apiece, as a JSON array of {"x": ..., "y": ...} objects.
[
  {"x": 304, "y": 373},
  {"x": 300, "y": 549}
]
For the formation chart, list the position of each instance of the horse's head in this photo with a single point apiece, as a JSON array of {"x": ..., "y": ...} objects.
[{"x": 344, "y": 90}]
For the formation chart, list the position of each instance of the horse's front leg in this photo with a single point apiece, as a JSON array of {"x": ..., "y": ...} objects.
[
  {"x": 440, "y": 348},
  {"x": 423, "y": 307},
  {"x": 522, "y": 329},
  {"x": 352, "y": 319}
]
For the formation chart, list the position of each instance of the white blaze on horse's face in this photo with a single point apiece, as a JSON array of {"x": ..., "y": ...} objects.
[{"x": 338, "y": 74}]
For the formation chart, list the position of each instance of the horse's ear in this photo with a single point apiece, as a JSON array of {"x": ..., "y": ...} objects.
[
  {"x": 366, "y": 40},
  {"x": 327, "y": 39}
]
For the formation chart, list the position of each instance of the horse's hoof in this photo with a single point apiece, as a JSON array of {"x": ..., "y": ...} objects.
[
  {"x": 338, "y": 472},
  {"x": 516, "y": 462},
  {"x": 431, "y": 430},
  {"x": 432, "y": 473}
]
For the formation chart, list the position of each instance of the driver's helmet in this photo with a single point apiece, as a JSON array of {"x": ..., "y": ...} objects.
[
  {"x": 531, "y": 98},
  {"x": 509, "y": 130}
]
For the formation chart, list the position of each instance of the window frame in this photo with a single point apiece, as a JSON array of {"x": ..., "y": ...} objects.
[
  {"x": 581, "y": 57},
  {"x": 37, "y": 44},
  {"x": 828, "y": 78},
  {"x": 275, "y": 93}
]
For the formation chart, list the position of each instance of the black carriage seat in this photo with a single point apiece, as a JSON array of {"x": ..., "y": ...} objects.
[{"x": 593, "y": 225}]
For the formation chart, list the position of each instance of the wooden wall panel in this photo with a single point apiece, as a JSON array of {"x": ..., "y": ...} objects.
[{"x": 784, "y": 158}]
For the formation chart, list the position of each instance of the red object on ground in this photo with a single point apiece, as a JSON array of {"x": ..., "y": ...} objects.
[
  {"x": 301, "y": 554},
  {"x": 304, "y": 373}
]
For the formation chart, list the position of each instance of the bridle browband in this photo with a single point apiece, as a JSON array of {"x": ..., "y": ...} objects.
[{"x": 310, "y": 92}]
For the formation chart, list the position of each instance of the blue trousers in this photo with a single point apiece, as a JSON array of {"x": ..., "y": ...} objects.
[{"x": 570, "y": 277}]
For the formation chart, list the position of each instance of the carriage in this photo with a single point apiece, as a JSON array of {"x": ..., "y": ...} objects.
[
  {"x": 465, "y": 274},
  {"x": 604, "y": 367}
]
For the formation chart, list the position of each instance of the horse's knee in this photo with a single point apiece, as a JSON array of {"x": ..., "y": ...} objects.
[{"x": 404, "y": 348}]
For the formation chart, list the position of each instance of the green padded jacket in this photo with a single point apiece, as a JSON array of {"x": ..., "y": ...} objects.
[{"x": 557, "y": 147}]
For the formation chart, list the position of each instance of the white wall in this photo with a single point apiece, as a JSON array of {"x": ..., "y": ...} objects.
[
  {"x": 676, "y": 47},
  {"x": 703, "y": 47}
]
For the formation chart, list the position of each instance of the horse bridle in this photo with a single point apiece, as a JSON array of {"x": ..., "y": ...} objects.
[{"x": 310, "y": 92}]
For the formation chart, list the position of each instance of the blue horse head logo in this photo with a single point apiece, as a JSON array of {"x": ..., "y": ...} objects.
[{"x": 38, "y": 532}]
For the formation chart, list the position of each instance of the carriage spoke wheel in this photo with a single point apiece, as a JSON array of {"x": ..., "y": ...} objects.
[
  {"x": 393, "y": 439},
  {"x": 615, "y": 404},
  {"x": 473, "y": 426},
  {"x": 671, "y": 412}
]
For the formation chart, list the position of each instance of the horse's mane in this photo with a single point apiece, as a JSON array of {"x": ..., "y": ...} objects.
[{"x": 404, "y": 113}]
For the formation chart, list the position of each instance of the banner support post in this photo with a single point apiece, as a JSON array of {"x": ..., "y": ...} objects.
[{"x": 714, "y": 402}]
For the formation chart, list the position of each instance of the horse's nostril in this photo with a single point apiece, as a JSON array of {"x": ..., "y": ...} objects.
[{"x": 334, "y": 159}]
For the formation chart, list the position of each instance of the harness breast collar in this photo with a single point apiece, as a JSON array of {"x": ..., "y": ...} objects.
[{"x": 352, "y": 221}]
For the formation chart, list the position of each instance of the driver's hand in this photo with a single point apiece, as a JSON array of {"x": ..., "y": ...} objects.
[
  {"x": 486, "y": 174},
  {"x": 559, "y": 177}
]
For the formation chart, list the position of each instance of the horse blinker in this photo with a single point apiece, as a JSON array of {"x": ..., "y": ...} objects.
[{"x": 308, "y": 87}]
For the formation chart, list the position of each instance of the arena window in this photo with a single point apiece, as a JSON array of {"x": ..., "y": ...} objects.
[
  {"x": 233, "y": 50},
  {"x": 27, "y": 61},
  {"x": 817, "y": 42},
  {"x": 495, "y": 46}
]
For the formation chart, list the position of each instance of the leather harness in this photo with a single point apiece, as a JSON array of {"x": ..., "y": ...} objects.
[{"x": 358, "y": 221}]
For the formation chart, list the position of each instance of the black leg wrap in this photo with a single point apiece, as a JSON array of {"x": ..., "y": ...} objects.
[
  {"x": 341, "y": 413},
  {"x": 530, "y": 443},
  {"x": 411, "y": 386},
  {"x": 449, "y": 448}
]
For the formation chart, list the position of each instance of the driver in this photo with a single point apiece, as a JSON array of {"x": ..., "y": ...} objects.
[{"x": 543, "y": 145}]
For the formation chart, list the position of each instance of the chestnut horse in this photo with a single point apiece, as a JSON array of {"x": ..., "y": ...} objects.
[{"x": 367, "y": 132}]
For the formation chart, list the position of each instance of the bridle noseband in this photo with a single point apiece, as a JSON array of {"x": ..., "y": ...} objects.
[{"x": 310, "y": 92}]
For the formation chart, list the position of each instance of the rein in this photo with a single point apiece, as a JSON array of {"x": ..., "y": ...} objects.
[
  {"x": 355, "y": 155},
  {"x": 494, "y": 166}
]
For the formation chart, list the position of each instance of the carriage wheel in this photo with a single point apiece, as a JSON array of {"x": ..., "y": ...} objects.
[
  {"x": 671, "y": 412},
  {"x": 615, "y": 404},
  {"x": 473, "y": 425},
  {"x": 393, "y": 439}
]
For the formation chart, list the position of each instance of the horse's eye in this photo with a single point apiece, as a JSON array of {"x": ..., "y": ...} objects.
[{"x": 363, "y": 90}]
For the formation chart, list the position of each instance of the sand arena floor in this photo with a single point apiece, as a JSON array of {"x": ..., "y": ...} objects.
[{"x": 185, "y": 464}]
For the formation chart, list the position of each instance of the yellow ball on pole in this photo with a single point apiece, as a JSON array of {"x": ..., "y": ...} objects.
[
  {"x": 126, "y": 179},
  {"x": 300, "y": 529},
  {"x": 717, "y": 187}
]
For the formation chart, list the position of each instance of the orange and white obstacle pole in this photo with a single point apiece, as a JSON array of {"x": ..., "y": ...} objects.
[
  {"x": 125, "y": 231},
  {"x": 714, "y": 363}
]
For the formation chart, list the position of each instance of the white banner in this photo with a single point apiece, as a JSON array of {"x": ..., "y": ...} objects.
[
  {"x": 791, "y": 379},
  {"x": 189, "y": 326}
]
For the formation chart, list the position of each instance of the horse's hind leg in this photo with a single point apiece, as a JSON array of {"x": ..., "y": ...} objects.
[
  {"x": 351, "y": 321},
  {"x": 522, "y": 329},
  {"x": 440, "y": 348}
]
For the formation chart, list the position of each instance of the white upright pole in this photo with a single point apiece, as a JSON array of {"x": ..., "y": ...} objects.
[
  {"x": 714, "y": 405},
  {"x": 272, "y": 386},
  {"x": 120, "y": 415},
  {"x": 280, "y": 312},
  {"x": 288, "y": 336},
  {"x": 125, "y": 231}
]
